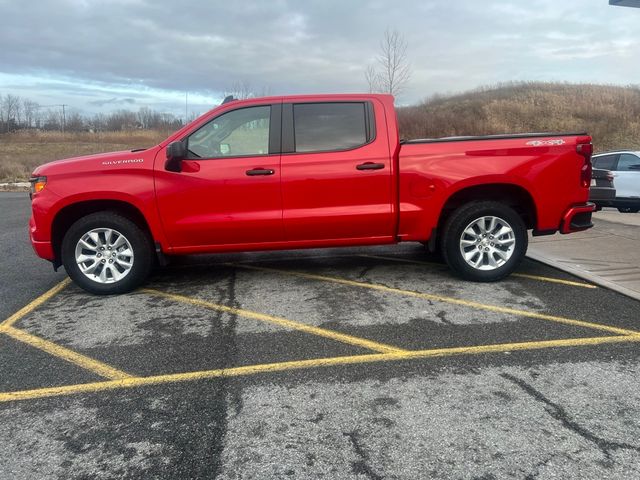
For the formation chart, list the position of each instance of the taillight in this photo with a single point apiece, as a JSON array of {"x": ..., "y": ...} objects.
[
  {"x": 585, "y": 150},
  {"x": 610, "y": 176}
]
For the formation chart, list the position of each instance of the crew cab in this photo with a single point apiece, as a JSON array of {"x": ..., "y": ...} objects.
[{"x": 307, "y": 172}]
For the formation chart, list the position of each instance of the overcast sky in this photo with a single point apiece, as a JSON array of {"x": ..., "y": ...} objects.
[{"x": 100, "y": 55}]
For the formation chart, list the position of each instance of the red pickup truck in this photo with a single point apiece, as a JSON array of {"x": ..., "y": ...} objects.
[{"x": 306, "y": 172}]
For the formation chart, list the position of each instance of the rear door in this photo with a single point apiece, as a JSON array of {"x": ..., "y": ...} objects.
[
  {"x": 336, "y": 171},
  {"x": 627, "y": 176}
]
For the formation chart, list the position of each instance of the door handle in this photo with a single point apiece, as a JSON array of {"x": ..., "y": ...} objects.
[
  {"x": 260, "y": 171},
  {"x": 370, "y": 166}
]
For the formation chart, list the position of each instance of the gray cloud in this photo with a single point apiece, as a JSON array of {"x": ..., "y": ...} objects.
[
  {"x": 113, "y": 101},
  {"x": 87, "y": 49}
]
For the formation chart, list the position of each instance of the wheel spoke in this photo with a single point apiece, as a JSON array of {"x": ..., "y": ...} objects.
[
  {"x": 108, "y": 237},
  {"x": 492, "y": 224},
  {"x": 93, "y": 235},
  {"x": 120, "y": 241},
  {"x": 124, "y": 263},
  {"x": 87, "y": 246},
  {"x": 89, "y": 269},
  {"x": 479, "y": 224},
  {"x": 470, "y": 254},
  {"x": 507, "y": 242},
  {"x": 471, "y": 232},
  {"x": 503, "y": 255},
  {"x": 125, "y": 253},
  {"x": 503, "y": 231},
  {"x": 115, "y": 273},
  {"x": 83, "y": 258}
]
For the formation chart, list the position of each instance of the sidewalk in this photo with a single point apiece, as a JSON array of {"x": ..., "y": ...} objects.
[{"x": 607, "y": 255}]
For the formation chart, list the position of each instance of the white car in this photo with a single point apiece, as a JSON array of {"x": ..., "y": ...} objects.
[{"x": 625, "y": 166}]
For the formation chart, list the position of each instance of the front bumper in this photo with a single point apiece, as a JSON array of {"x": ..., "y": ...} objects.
[
  {"x": 43, "y": 249},
  {"x": 577, "y": 218}
]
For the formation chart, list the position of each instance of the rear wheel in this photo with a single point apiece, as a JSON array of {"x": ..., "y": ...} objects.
[
  {"x": 484, "y": 241},
  {"x": 106, "y": 253}
]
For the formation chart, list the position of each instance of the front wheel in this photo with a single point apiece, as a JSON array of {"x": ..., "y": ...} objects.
[
  {"x": 484, "y": 241},
  {"x": 106, "y": 253}
]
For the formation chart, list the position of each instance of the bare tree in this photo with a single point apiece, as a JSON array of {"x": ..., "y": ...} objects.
[
  {"x": 75, "y": 122},
  {"x": 29, "y": 109},
  {"x": 148, "y": 118},
  {"x": 393, "y": 71},
  {"x": 372, "y": 77},
  {"x": 10, "y": 104},
  {"x": 52, "y": 120}
]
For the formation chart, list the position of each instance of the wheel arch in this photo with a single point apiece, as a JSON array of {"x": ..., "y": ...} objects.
[
  {"x": 73, "y": 212},
  {"x": 515, "y": 196}
]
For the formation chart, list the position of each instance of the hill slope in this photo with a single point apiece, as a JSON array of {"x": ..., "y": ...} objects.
[{"x": 610, "y": 114}]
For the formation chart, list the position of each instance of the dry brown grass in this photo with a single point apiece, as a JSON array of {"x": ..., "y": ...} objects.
[
  {"x": 610, "y": 114},
  {"x": 22, "y": 151}
]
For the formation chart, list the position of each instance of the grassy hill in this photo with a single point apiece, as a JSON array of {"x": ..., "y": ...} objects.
[{"x": 610, "y": 114}]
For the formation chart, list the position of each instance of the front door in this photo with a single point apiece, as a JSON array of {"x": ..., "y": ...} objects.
[{"x": 228, "y": 191}]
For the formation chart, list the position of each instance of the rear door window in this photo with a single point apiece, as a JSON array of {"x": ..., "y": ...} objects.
[
  {"x": 606, "y": 162},
  {"x": 322, "y": 127}
]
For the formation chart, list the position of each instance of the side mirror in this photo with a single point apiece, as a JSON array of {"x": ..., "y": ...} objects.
[{"x": 176, "y": 152}]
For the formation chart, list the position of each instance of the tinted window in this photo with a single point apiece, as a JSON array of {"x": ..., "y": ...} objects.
[
  {"x": 329, "y": 126},
  {"x": 605, "y": 162},
  {"x": 240, "y": 132},
  {"x": 628, "y": 161}
]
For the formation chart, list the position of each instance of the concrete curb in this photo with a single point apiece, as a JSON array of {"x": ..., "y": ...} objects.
[
  {"x": 584, "y": 275},
  {"x": 14, "y": 187}
]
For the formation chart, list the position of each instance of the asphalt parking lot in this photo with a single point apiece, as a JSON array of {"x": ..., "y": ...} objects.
[{"x": 347, "y": 363}]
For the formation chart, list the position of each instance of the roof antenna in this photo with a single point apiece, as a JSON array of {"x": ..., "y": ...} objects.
[{"x": 227, "y": 99}]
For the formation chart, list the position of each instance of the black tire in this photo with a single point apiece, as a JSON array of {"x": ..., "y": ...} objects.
[
  {"x": 143, "y": 252},
  {"x": 452, "y": 237}
]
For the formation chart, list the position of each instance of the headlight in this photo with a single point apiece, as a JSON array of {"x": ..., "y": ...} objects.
[{"x": 37, "y": 184}]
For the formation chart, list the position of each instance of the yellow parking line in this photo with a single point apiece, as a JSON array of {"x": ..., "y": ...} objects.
[
  {"x": 304, "y": 364},
  {"x": 283, "y": 322},
  {"x": 87, "y": 363},
  {"x": 451, "y": 300},
  {"x": 554, "y": 280},
  {"x": 515, "y": 274},
  {"x": 33, "y": 304}
]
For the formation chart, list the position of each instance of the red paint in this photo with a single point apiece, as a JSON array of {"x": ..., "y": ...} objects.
[{"x": 313, "y": 199}]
